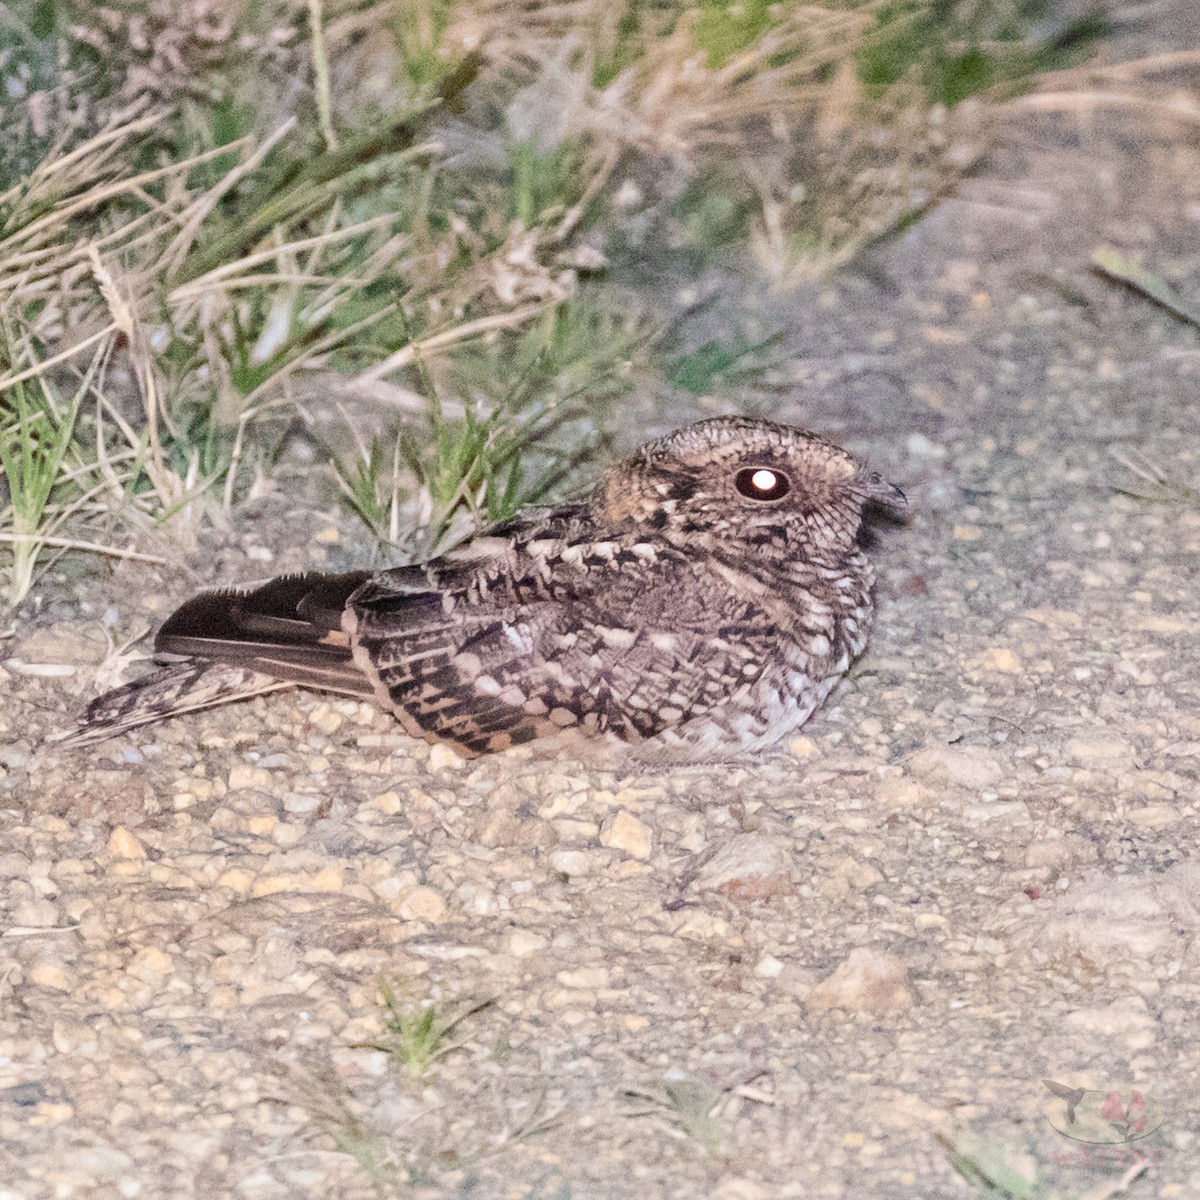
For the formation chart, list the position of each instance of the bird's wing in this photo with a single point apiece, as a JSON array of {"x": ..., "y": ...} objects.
[
  {"x": 289, "y": 629},
  {"x": 1059, "y": 1089},
  {"x": 535, "y": 642}
]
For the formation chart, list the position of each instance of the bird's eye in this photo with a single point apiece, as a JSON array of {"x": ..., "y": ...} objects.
[{"x": 762, "y": 483}]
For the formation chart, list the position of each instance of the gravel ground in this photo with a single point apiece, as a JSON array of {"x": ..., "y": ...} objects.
[{"x": 801, "y": 976}]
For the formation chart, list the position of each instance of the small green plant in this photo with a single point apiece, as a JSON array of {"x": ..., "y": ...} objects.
[
  {"x": 581, "y": 356},
  {"x": 725, "y": 28},
  {"x": 960, "y": 48},
  {"x": 717, "y": 364},
  {"x": 373, "y": 485},
  {"x": 424, "y": 492},
  {"x": 417, "y": 1040},
  {"x": 545, "y": 183},
  {"x": 711, "y": 217},
  {"x": 64, "y": 465},
  {"x": 353, "y": 1136},
  {"x": 37, "y": 108},
  {"x": 995, "y": 1169},
  {"x": 697, "y": 1109},
  {"x": 419, "y": 31},
  {"x": 533, "y": 403},
  {"x": 44, "y": 479},
  {"x": 998, "y": 1167},
  {"x": 35, "y": 445},
  {"x": 617, "y": 41},
  {"x": 469, "y": 467}
]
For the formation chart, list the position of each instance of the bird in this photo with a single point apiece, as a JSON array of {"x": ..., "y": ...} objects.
[
  {"x": 696, "y": 604},
  {"x": 1071, "y": 1095}
]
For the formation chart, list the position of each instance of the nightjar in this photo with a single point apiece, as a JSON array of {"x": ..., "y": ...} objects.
[{"x": 698, "y": 602}]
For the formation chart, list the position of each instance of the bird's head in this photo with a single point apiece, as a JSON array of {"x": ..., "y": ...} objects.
[{"x": 749, "y": 481}]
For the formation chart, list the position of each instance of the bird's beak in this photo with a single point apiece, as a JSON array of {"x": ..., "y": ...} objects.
[{"x": 877, "y": 490}]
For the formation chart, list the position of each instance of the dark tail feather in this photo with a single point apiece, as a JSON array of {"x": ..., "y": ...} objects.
[
  {"x": 228, "y": 645},
  {"x": 290, "y": 628},
  {"x": 180, "y": 688},
  {"x": 301, "y": 611}
]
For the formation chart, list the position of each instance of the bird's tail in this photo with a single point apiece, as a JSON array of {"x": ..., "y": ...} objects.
[
  {"x": 180, "y": 688},
  {"x": 229, "y": 645}
]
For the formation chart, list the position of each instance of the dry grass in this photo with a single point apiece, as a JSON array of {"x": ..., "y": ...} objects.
[{"x": 411, "y": 197}]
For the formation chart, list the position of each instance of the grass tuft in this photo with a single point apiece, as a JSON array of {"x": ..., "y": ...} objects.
[
  {"x": 418, "y": 1040},
  {"x": 204, "y": 210},
  {"x": 698, "y": 1110},
  {"x": 34, "y": 448}
]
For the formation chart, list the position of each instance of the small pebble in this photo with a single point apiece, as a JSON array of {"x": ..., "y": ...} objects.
[{"x": 626, "y": 832}]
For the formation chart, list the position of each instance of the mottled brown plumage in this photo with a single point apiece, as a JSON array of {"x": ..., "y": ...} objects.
[{"x": 699, "y": 602}]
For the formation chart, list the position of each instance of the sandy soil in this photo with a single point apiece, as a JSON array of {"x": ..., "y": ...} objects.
[{"x": 804, "y": 976}]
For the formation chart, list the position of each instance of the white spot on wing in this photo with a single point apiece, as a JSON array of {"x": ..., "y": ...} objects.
[
  {"x": 477, "y": 548},
  {"x": 518, "y": 636},
  {"x": 619, "y": 639}
]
